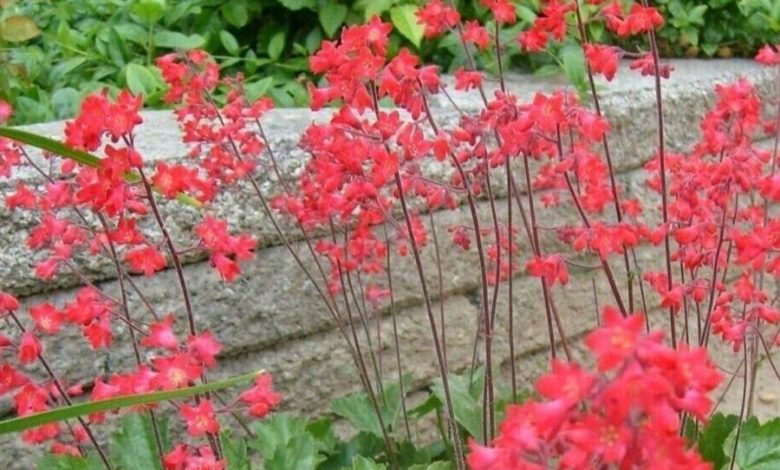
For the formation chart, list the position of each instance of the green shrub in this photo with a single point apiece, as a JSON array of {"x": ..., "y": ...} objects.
[{"x": 56, "y": 52}]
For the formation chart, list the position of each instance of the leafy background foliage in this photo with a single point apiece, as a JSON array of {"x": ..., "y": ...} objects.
[{"x": 56, "y": 52}]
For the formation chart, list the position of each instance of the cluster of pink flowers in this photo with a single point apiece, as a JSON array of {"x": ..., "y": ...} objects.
[
  {"x": 625, "y": 414},
  {"x": 98, "y": 211}
]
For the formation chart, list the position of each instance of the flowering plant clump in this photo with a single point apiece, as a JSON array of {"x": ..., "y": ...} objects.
[
  {"x": 367, "y": 193},
  {"x": 626, "y": 414}
]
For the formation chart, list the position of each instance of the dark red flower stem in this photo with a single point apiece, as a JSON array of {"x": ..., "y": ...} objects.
[
  {"x": 362, "y": 364},
  {"x": 537, "y": 252},
  {"x": 214, "y": 439},
  {"x": 126, "y": 313},
  {"x": 439, "y": 273},
  {"x": 662, "y": 164},
  {"x": 396, "y": 341},
  {"x": 64, "y": 394},
  {"x": 485, "y": 304},
  {"x": 510, "y": 294},
  {"x": 607, "y": 154},
  {"x": 456, "y": 438},
  {"x": 548, "y": 298}
]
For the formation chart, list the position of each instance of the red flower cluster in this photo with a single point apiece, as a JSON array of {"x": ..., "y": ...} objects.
[
  {"x": 100, "y": 116},
  {"x": 706, "y": 216},
  {"x": 97, "y": 212},
  {"x": 626, "y": 414},
  {"x": 437, "y": 17}
]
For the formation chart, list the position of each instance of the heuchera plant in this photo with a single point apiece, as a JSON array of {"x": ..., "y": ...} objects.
[{"x": 364, "y": 196}]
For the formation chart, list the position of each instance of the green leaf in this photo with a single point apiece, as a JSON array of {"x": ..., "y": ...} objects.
[
  {"x": 18, "y": 29},
  {"x": 140, "y": 80},
  {"x": 759, "y": 445},
  {"x": 116, "y": 48},
  {"x": 466, "y": 401},
  {"x": 359, "y": 410},
  {"x": 32, "y": 110},
  {"x": 709, "y": 49},
  {"x": 713, "y": 437},
  {"x": 433, "y": 466},
  {"x": 68, "y": 462},
  {"x": 134, "y": 445},
  {"x": 322, "y": 430},
  {"x": 61, "y": 71},
  {"x": 362, "y": 463},
  {"x": 275, "y": 432},
  {"x": 298, "y": 4},
  {"x": 573, "y": 65},
  {"x": 133, "y": 32},
  {"x": 696, "y": 14},
  {"x": 229, "y": 42},
  {"x": 235, "y": 451},
  {"x": 276, "y": 45},
  {"x": 332, "y": 15},
  {"x": 50, "y": 145},
  {"x": 284, "y": 442},
  {"x": 16, "y": 425},
  {"x": 255, "y": 90},
  {"x": 235, "y": 13},
  {"x": 300, "y": 452},
  {"x": 150, "y": 11},
  {"x": 65, "y": 102},
  {"x": 375, "y": 7},
  {"x": 404, "y": 18},
  {"x": 313, "y": 40},
  {"x": 174, "y": 40}
]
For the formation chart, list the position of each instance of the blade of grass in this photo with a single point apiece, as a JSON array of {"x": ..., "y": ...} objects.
[
  {"x": 78, "y": 156},
  {"x": 23, "y": 423}
]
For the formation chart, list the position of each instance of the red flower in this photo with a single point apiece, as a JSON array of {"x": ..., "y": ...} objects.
[
  {"x": 261, "y": 398},
  {"x": 172, "y": 179},
  {"x": 567, "y": 382},
  {"x": 5, "y": 111},
  {"x": 602, "y": 59},
  {"x": 47, "y": 318},
  {"x": 767, "y": 55},
  {"x": 437, "y": 18},
  {"x": 615, "y": 341},
  {"x": 204, "y": 347},
  {"x": 552, "y": 268},
  {"x": 639, "y": 20},
  {"x": 466, "y": 80},
  {"x": 175, "y": 371},
  {"x": 474, "y": 33},
  {"x": 200, "y": 419},
  {"x": 8, "y": 303},
  {"x": 123, "y": 115},
  {"x": 29, "y": 348},
  {"x": 161, "y": 335},
  {"x": 503, "y": 10},
  {"x": 10, "y": 379},
  {"x": 99, "y": 333},
  {"x": 228, "y": 269},
  {"x": 533, "y": 40},
  {"x": 646, "y": 66},
  {"x": 147, "y": 260}
]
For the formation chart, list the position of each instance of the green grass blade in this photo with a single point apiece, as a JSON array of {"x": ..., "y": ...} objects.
[
  {"x": 50, "y": 145},
  {"x": 78, "y": 156},
  {"x": 23, "y": 423}
]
